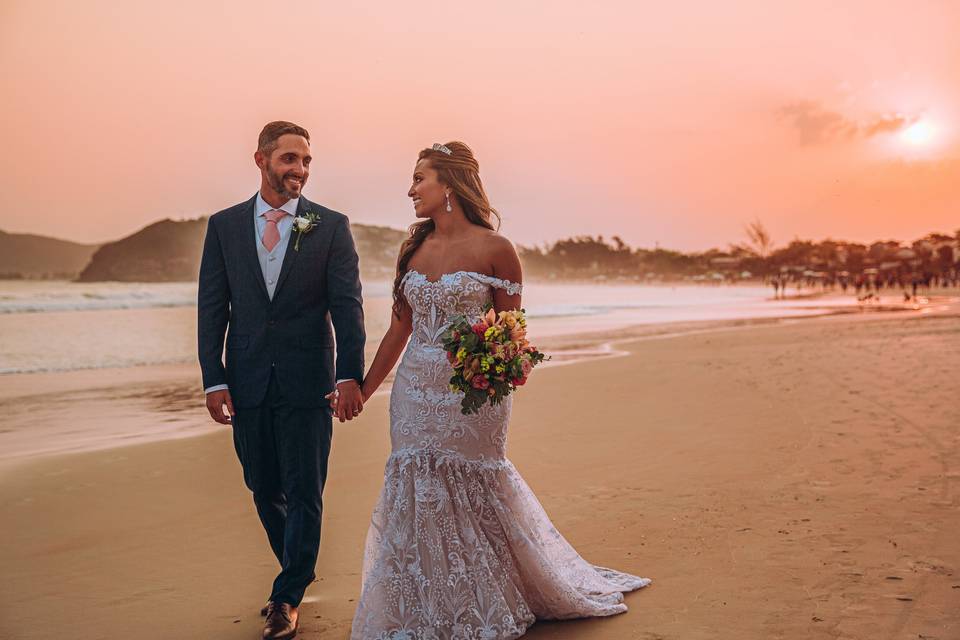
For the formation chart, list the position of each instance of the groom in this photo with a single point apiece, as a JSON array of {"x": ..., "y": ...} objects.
[{"x": 276, "y": 270}]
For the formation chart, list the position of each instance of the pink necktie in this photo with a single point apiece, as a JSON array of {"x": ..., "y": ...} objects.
[{"x": 271, "y": 235}]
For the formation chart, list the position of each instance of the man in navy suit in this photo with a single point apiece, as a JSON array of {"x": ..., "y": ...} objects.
[{"x": 275, "y": 271}]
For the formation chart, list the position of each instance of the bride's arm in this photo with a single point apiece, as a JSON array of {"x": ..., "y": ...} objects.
[
  {"x": 506, "y": 266},
  {"x": 389, "y": 351}
]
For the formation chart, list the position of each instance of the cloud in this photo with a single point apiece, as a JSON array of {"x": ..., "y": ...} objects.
[
  {"x": 888, "y": 124},
  {"x": 817, "y": 125}
]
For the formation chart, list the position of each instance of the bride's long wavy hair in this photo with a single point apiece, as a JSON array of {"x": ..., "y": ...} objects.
[{"x": 460, "y": 171}]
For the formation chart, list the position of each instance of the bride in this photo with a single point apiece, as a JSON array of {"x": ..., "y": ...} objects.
[{"x": 459, "y": 547}]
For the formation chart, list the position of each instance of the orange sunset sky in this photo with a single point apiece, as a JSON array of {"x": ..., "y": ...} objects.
[{"x": 670, "y": 123}]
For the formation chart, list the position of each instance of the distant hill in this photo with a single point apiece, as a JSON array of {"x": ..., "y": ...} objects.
[
  {"x": 24, "y": 255},
  {"x": 169, "y": 251},
  {"x": 165, "y": 251},
  {"x": 378, "y": 248}
]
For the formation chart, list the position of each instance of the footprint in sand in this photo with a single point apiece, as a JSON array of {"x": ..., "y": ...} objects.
[{"x": 921, "y": 565}]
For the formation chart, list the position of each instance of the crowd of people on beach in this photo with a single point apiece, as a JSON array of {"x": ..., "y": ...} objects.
[{"x": 867, "y": 285}]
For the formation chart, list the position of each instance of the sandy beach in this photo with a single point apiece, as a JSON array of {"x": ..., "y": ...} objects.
[
  {"x": 734, "y": 228},
  {"x": 784, "y": 479}
]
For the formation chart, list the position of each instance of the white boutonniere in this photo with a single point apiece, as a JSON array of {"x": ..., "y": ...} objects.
[{"x": 304, "y": 224}]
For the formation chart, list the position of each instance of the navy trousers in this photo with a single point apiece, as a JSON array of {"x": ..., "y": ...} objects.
[{"x": 284, "y": 451}]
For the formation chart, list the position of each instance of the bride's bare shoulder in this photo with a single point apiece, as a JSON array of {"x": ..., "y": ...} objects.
[
  {"x": 490, "y": 239},
  {"x": 502, "y": 256}
]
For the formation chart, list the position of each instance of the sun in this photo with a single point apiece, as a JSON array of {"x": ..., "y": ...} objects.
[{"x": 920, "y": 133}]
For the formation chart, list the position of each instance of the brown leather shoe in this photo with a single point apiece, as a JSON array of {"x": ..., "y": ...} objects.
[
  {"x": 281, "y": 621},
  {"x": 266, "y": 607}
]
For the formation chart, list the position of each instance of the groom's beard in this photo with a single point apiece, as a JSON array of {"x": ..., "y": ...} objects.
[{"x": 277, "y": 183}]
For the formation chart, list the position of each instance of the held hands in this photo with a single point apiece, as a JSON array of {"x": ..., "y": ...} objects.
[
  {"x": 215, "y": 402},
  {"x": 347, "y": 400}
]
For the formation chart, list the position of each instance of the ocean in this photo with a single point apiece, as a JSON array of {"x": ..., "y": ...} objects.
[{"x": 63, "y": 326}]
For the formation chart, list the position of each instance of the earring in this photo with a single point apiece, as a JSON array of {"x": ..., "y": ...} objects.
[{"x": 449, "y": 208}]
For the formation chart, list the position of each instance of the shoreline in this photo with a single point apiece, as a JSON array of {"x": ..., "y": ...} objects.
[
  {"x": 143, "y": 404},
  {"x": 123, "y": 406}
]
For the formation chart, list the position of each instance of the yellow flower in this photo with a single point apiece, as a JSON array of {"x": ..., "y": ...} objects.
[
  {"x": 492, "y": 332},
  {"x": 500, "y": 368},
  {"x": 461, "y": 354},
  {"x": 510, "y": 321}
]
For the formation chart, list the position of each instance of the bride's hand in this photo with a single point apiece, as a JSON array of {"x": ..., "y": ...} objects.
[{"x": 332, "y": 397}]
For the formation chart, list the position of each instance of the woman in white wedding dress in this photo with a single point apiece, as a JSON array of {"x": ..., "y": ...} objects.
[{"x": 459, "y": 547}]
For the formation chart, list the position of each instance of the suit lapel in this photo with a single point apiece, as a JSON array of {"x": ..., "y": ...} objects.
[
  {"x": 290, "y": 256},
  {"x": 249, "y": 244}
]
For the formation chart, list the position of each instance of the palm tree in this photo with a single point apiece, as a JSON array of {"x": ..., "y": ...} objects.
[{"x": 759, "y": 239}]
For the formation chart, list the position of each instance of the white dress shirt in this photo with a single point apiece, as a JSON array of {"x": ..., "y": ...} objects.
[{"x": 271, "y": 261}]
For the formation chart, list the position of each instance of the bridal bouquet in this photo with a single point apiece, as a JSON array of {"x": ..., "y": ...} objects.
[{"x": 491, "y": 356}]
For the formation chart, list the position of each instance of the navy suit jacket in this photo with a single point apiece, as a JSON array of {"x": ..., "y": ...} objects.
[{"x": 291, "y": 334}]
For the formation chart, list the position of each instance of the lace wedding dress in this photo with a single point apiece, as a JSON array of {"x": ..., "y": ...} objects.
[{"x": 459, "y": 547}]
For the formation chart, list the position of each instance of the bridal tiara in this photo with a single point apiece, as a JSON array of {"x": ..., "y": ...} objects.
[{"x": 442, "y": 147}]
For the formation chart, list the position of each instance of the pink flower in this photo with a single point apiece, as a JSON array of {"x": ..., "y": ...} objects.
[
  {"x": 518, "y": 334},
  {"x": 519, "y": 381},
  {"x": 526, "y": 367},
  {"x": 480, "y": 382}
]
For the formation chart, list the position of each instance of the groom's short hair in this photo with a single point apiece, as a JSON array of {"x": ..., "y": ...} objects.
[{"x": 272, "y": 132}]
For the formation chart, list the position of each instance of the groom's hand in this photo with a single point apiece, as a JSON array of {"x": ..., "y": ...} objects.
[
  {"x": 349, "y": 400},
  {"x": 215, "y": 402}
]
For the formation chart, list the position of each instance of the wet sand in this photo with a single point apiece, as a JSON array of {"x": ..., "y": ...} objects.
[{"x": 796, "y": 479}]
